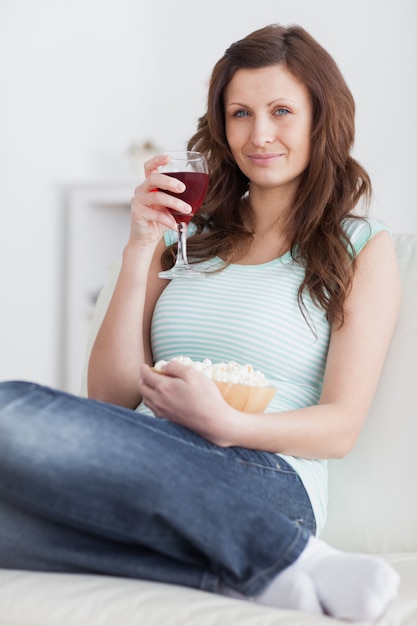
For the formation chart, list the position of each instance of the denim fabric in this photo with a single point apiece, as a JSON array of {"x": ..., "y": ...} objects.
[{"x": 92, "y": 487}]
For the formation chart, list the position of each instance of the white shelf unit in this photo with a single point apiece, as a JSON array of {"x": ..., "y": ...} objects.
[{"x": 97, "y": 217}]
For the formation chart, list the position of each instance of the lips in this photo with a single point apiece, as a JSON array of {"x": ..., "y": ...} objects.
[{"x": 265, "y": 158}]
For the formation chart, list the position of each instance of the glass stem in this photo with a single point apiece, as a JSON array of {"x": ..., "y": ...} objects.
[{"x": 182, "y": 246}]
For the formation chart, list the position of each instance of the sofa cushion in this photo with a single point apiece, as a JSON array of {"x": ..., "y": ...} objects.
[
  {"x": 29, "y": 598},
  {"x": 372, "y": 501}
]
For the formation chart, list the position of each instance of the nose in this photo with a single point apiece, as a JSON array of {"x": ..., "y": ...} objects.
[{"x": 263, "y": 131}]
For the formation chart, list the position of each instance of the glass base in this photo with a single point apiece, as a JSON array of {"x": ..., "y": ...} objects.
[{"x": 181, "y": 272}]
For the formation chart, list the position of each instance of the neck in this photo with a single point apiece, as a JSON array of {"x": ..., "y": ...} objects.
[
  {"x": 269, "y": 240},
  {"x": 266, "y": 213},
  {"x": 270, "y": 205}
]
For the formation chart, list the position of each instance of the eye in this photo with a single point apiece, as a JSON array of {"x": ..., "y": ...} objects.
[
  {"x": 240, "y": 113},
  {"x": 281, "y": 111}
]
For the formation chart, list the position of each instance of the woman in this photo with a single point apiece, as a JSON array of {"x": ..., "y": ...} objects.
[{"x": 208, "y": 496}]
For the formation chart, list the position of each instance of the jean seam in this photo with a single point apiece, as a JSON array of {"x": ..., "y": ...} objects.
[{"x": 276, "y": 470}]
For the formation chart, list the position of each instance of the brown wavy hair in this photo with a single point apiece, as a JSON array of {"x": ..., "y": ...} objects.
[{"x": 330, "y": 188}]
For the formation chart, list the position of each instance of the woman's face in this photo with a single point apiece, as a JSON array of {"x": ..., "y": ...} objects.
[{"x": 268, "y": 114}]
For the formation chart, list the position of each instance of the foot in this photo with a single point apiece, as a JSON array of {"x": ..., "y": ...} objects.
[{"x": 349, "y": 586}]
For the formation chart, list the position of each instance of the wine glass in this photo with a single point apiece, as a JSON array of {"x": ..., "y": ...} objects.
[{"x": 191, "y": 168}]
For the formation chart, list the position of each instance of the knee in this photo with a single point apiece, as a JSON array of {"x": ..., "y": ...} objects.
[
  {"x": 12, "y": 391},
  {"x": 17, "y": 400},
  {"x": 42, "y": 432},
  {"x": 25, "y": 426}
]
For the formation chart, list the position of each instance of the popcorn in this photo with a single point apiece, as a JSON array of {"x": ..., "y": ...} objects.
[{"x": 230, "y": 372}]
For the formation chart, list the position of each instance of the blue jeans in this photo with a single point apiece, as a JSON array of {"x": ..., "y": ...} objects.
[{"x": 92, "y": 487}]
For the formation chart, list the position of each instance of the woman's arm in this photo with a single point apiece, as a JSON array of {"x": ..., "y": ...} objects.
[
  {"x": 122, "y": 344},
  {"x": 356, "y": 355}
]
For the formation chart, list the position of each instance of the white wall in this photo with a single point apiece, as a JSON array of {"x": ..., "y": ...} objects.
[{"x": 81, "y": 80}]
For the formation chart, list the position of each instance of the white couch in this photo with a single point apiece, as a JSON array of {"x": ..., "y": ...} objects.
[{"x": 373, "y": 508}]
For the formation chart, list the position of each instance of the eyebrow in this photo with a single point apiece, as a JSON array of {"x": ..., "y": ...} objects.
[{"x": 280, "y": 100}]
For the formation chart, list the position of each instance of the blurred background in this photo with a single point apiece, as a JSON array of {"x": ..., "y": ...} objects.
[{"x": 89, "y": 88}]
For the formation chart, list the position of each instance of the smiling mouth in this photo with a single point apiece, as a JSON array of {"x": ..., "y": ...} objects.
[{"x": 265, "y": 158}]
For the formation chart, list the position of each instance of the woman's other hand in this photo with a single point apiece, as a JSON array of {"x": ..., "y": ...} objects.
[{"x": 188, "y": 397}]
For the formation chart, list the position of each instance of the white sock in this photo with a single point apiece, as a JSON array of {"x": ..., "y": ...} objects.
[
  {"x": 349, "y": 586},
  {"x": 291, "y": 590},
  {"x": 288, "y": 590}
]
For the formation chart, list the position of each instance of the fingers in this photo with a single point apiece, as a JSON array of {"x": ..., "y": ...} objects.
[
  {"x": 154, "y": 387},
  {"x": 149, "y": 378},
  {"x": 163, "y": 191},
  {"x": 156, "y": 378},
  {"x": 156, "y": 198},
  {"x": 158, "y": 183},
  {"x": 155, "y": 203},
  {"x": 152, "y": 164},
  {"x": 176, "y": 394},
  {"x": 178, "y": 370},
  {"x": 144, "y": 209}
]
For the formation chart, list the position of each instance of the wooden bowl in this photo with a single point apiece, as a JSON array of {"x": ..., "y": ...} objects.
[{"x": 246, "y": 398}]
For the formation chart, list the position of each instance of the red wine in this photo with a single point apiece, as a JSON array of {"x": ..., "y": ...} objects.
[{"x": 196, "y": 184}]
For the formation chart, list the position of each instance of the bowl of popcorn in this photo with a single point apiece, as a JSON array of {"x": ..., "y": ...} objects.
[{"x": 243, "y": 387}]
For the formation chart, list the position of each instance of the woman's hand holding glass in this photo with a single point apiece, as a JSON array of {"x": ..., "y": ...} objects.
[{"x": 151, "y": 204}]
